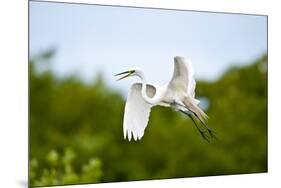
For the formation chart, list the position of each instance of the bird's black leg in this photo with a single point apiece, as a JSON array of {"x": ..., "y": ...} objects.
[
  {"x": 212, "y": 133},
  {"x": 201, "y": 131}
]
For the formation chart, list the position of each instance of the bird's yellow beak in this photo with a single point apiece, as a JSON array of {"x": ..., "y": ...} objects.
[{"x": 127, "y": 74}]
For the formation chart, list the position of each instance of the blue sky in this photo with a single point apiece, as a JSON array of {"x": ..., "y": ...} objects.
[{"x": 94, "y": 39}]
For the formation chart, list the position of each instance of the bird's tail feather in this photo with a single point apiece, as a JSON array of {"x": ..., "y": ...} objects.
[{"x": 191, "y": 104}]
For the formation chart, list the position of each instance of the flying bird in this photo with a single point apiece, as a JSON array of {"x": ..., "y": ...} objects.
[{"x": 178, "y": 94}]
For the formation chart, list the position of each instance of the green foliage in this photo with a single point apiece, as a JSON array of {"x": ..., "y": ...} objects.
[
  {"x": 59, "y": 170},
  {"x": 76, "y": 131}
]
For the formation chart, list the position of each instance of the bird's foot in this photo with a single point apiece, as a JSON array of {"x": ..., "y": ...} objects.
[
  {"x": 208, "y": 134},
  {"x": 212, "y": 133},
  {"x": 205, "y": 135}
]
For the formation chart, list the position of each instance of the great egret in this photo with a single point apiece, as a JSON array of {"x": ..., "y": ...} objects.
[{"x": 178, "y": 94}]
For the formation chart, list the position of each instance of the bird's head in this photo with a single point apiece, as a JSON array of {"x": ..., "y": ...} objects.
[{"x": 132, "y": 72}]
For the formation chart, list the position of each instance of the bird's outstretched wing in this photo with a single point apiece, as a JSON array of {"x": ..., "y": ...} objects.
[
  {"x": 137, "y": 112},
  {"x": 183, "y": 77}
]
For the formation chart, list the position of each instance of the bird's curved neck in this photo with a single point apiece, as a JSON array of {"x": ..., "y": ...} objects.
[{"x": 151, "y": 100}]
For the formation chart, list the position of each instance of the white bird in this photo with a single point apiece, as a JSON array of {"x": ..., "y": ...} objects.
[{"x": 178, "y": 94}]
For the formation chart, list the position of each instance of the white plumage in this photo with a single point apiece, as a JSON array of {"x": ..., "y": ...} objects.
[
  {"x": 136, "y": 113},
  {"x": 178, "y": 94}
]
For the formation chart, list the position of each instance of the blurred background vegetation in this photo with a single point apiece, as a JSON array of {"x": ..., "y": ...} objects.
[{"x": 76, "y": 130}]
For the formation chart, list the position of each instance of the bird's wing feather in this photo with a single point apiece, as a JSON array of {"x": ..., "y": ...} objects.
[
  {"x": 183, "y": 76},
  {"x": 137, "y": 112}
]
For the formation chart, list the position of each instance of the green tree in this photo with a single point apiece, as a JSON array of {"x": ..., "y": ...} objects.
[{"x": 76, "y": 130}]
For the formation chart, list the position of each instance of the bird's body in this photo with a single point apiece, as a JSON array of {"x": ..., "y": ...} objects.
[{"x": 178, "y": 94}]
